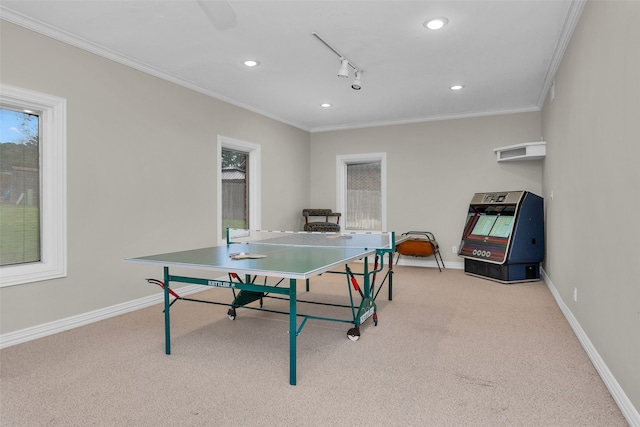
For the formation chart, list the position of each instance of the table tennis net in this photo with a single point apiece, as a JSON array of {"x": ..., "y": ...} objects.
[{"x": 369, "y": 240}]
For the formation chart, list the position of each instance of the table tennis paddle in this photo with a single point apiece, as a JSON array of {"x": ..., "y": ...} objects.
[{"x": 242, "y": 255}]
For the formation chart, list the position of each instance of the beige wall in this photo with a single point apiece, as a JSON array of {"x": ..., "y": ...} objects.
[
  {"x": 433, "y": 169},
  {"x": 141, "y": 173},
  {"x": 592, "y": 128}
]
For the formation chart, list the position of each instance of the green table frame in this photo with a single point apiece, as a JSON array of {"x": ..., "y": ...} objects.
[{"x": 365, "y": 310}]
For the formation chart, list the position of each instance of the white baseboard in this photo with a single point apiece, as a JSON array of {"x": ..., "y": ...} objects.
[
  {"x": 50, "y": 328},
  {"x": 626, "y": 407},
  {"x": 431, "y": 263}
]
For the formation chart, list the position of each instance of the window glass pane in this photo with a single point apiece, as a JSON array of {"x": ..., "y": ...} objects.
[
  {"x": 19, "y": 187},
  {"x": 235, "y": 190},
  {"x": 364, "y": 196}
]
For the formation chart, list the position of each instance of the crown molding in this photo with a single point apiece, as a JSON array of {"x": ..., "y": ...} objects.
[
  {"x": 570, "y": 23},
  {"x": 80, "y": 43}
]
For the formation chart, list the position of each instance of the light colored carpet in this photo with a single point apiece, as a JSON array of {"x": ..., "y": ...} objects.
[{"x": 449, "y": 350}]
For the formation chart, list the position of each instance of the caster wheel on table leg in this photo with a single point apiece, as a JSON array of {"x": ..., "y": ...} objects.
[{"x": 353, "y": 334}]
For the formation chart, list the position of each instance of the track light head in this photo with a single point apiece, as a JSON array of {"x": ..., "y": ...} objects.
[
  {"x": 344, "y": 68},
  {"x": 357, "y": 83}
]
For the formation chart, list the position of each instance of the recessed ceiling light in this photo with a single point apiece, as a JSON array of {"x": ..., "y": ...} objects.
[
  {"x": 436, "y": 24},
  {"x": 251, "y": 63},
  {"x": 325, "y": 105},
  {"x": 456, "y": 87}
]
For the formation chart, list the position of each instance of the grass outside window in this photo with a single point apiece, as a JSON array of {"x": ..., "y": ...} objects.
[{"x": 19, "y": 234}]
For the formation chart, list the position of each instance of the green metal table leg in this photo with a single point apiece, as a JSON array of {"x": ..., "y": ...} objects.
[
  {"x": 367, "y": 282},
  {"x": 292, "y": 331},
  {"x": 390, "y": 274},
  {"x": 167, "y": 322}
]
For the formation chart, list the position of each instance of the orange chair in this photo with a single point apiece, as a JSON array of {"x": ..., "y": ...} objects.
[{"x": 420, "y": 244}]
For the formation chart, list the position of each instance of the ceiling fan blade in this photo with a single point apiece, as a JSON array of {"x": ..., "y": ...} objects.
[{"x": 220, "y": 13}]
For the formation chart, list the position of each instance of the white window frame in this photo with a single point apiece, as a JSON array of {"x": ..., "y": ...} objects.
[
  {"x": 341, "y": 181},
  {"x": 53, "y": 184},
  {"x": 254, "y": 151}
]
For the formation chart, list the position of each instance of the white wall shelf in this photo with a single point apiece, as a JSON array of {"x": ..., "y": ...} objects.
[{"x": 524, "y": 151}]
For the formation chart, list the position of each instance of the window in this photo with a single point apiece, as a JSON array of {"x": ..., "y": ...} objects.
[
  {"x": 33, "y": 186},
  {"x": 235, "y": 189},
  {"x": 362, "y": 191},
  {"x": 238, "y": 185},
  {"x": 19, "y": 186}
]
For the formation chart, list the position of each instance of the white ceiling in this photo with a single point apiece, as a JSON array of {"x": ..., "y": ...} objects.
[{"x": 505, "y": 53}]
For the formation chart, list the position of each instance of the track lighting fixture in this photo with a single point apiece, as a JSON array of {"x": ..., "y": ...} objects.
[
  {"x": 357, "y": 83},
  {"x": 344, "y": 68},
  {"x": 344, "y": 65}
]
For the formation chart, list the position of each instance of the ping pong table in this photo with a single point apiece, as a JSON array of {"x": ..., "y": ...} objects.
[{"x": 280, "y": 256}]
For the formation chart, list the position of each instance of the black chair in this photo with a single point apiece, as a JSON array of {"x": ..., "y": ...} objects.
[{"x": 324, "y": 226}]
